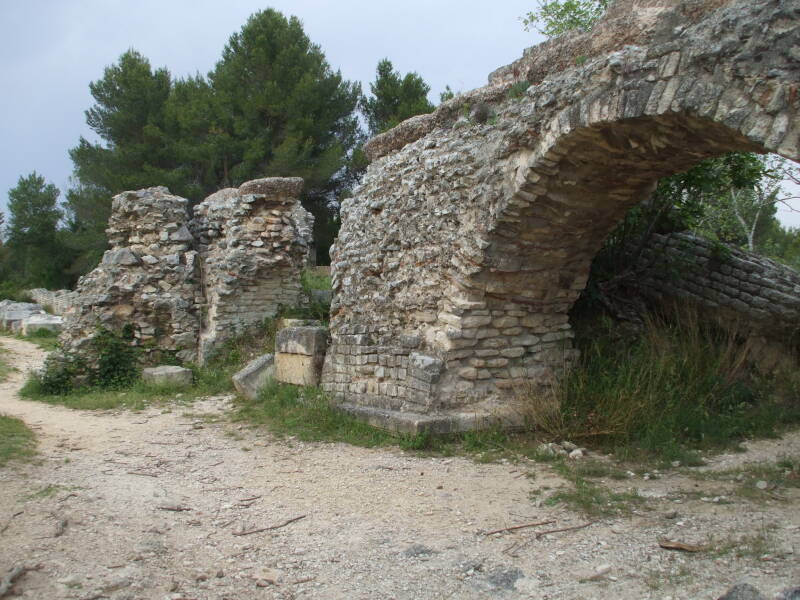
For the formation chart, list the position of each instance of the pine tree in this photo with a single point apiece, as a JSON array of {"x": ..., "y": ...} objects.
[
  {"x": 394, "y": 98},
  {"x": 35, "y": 255}
]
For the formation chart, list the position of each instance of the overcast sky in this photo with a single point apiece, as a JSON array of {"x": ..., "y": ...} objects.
[{"x": 51, "y": 49}]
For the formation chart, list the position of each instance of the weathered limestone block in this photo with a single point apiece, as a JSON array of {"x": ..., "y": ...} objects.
[
  {"x": 167, "y": 375},
  {"x": 300, "y": 354},
  {"x": 13, "y": 313},
  {"x": 254, "y": 376},
  {"x": 309, "y": 341},
  {"x": 41, "y": 322},
  {"x": 510, "y": 206}
]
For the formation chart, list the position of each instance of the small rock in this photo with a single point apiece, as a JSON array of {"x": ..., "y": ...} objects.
[
  {"x": 505, "y": 578},
  {"x": 743, "y": 591},
  {"x": 671, "y": 514},
  {"x": 417, "y": 550},
  {"x": 220, "y": 574},
  {"x": 792, "y": 593},
  {"x": 577, "y": 453},
  {"x": 762, "y": 485},
  {"x": 569, "y": 446},
  {"x": 600, "y": 572},
  {"x": 264, "y": 577},
  {"x": 71, "y": 581}
]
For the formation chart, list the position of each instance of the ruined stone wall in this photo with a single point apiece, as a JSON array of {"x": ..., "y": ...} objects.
[
  {"x": 749, "y": 294},
  {"x": 254, "y": 243},
  {"x": 147, "y": 282},
  {"x": 57, "y": 302},
  {"x": 183, "y": 285},
  {"x": 473, "y": 231}
]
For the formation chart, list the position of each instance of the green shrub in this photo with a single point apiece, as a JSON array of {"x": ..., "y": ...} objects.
[
  {"x": 517, "y": 91},
  {"x": 58, "y": 376},
  {"x": 116, "y": 359}
]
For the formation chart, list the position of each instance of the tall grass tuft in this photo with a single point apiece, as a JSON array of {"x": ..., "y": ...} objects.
[{"x": 681, "y": 384}]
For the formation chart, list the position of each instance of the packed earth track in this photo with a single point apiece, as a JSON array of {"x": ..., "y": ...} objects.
[{"x": 177, "y": 502}]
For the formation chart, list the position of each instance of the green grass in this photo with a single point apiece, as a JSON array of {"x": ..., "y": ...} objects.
[
  {"x": 136, "y": 397},
  {"x": 680, "y": 388},
  {"x": 5, "y": 368},
  {"x": 315, "y": 281},
  {"x": 45, "y": 492},
  {"x": 46, "y": 340},
  {"x": 306, "y": 414},
  {"x": 588, "y": 497},
  {"x": 16, "y": 440},
  {"x": 753, "y": 545},
  {"x": 781, "y": 474}
]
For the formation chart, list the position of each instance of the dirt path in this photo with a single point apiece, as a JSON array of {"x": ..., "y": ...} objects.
[{"x": 375, "y": 523}]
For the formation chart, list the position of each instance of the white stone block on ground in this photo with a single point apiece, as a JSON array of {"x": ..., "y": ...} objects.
[
  {"x": 42, "y": 323},
  {"x": 167, "y": 375},
  {"x": 254, "y": 376},
  {"x": 13, "y": 313},
  {"x": 300, "y": 354}
]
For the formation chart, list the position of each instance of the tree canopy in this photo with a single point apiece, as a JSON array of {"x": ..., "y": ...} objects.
[
  {"x": 34, "y": 254},
  {"x": 554, "y": 17},
  {"x": 394, "y": 98}
]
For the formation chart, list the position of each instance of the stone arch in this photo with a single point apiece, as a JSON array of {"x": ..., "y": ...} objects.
[{"x": 469, "y": 239}]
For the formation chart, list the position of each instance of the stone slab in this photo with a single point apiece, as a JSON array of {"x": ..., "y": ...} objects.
[
  {"x": 298, "y": 369},
  {"x": 42, "y": 322},
  {"x": 254, "y": 376},
  {"x": 308, "y": 341},
  {"x": 167, "y": 375},
  {"x": 417, "y": 423}
]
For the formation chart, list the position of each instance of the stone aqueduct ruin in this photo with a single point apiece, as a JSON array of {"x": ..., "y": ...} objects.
[{"x": 472, "y": 233}]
